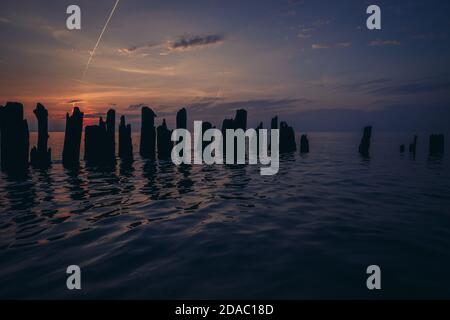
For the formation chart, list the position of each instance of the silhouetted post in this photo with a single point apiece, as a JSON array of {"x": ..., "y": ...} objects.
[
  {"x": 240, "y": 120},
  {"x": 205, "y": 126},
  {"x": 259, "y": 127},
  {"x": 226, "y": 124},
  {"x": 41, "y": 156},
  {"x": 274, "y": 123},
  {"x": 402, "y": 148},
  {"x": 364, "y": 146},
  {"x": 148, "y": 134},
  {"x": 182, "y": 119},
  {"x": 413, "y": 146},
  {"x": 304, "y": 144},
  {"x": 287, "y": 138},
  {"x": 91, "y": 142},
  {"x": 15, "y": 138},
  {"x": 111, "y": 132},
  {"x": 98, "y": 143},
  {"x": 436, "y": 146},
  {"x": 164, "y": 142},
  {"x": 125, "y": 142},
  {"x": 72, "y": 138}
]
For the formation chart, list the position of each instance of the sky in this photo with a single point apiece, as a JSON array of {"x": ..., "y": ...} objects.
[{"x": 312, "y": 62}]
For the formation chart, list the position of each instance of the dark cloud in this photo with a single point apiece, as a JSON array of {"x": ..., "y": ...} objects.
[
  {"x": 94, "y": 115},
  {"x": 401, "y": 118},
  {"x": 257, "y": 104},
  {"x": 387, "y": 86},
  {"x": 424, "y": 85},
  {"x": 74, "y": 101},
  {"x": 188, "y": 41},
  {"x": 183, "y": 43},
  {"x": 366, "y": 85}
]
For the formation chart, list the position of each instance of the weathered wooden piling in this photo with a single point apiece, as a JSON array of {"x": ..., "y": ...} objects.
[
  {"x": 182, "y": 119},
  {"x": 274, "y": 123},
  {"x": 304, "y": 144},
  {"x": 125, "y": 141},
  {"x": 92, "y": 143},
  {"x": 413, "y": 146},
  {"x": 164, "y": 141},
  {"x": 72, "y": 138},
  {"x": 111, "y": 133},
  {"x": 258, "y": 128},
  {"x": 205, "y": 126},
  {"x": 99, "y": 142},
  {"x": 364, "y": 146},
  {"x": 226, "y": 124},
  {"x": 287, "y": 138},
  {"x": 240, "y": 120},
  {"x": 148, "y": 134},
  {"x": 436, "y": 146},
  {"x": 40, "y": 156},
  {"x": 15, "y": 138}
]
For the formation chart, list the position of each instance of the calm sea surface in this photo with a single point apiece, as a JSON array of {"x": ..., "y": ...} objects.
[{"x": 160, "y": 231}]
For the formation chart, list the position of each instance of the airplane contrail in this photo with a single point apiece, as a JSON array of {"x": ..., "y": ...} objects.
[{"x": 99, "y": 38}]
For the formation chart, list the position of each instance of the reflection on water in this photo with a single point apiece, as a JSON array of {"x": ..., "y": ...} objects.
[{"x": 156, "y": 230}]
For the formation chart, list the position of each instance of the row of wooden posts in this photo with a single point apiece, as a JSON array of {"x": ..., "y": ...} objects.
[
  {"x": 99, "y": 140},
  {"x": 100, "y": 145},
  {"x": 435, "y": 147}
]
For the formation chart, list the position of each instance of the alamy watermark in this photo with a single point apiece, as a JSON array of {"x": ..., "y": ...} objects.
[{"x": 240, "y": 146}]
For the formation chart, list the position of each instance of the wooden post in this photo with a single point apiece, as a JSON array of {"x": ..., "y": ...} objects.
[
  {"x": 15, "y": 137},
  {"x": 40, "y": 156},
  {"x": 148, "y": 134},
  {"x": 364, "y": 146},
  {"x": 125, "y": 141},
  {"x": 72, "y": 138}
]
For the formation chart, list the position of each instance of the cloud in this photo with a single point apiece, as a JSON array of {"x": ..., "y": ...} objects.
[
  {"x": 366, "y": 85},
  {"x": 95, "y": 115},
  {"x": 387, "y": 86},
  {"x": 305, "y": 33},
  {"x": 316, "y": 46},
  {"x": 429, "y": 36},
  {"x": 181, "y": 44},
  {"x": 74, "y": 101},
  {"x": 250, "y": 105},
  {"x": 380, "y": 42},
  {"x": 307, "y": 30},
  {"x": 138, "y": 48},
  {"x": 402, "y": 118},
  {"x": 320, "y": 23},
  {"x": 166, "y": 71},
  {"x": 424, "y": 85},
  {"x": 295, "y": 2},
  {"x": 134, "y": 107},
  {"x": 4, "y": 20},
  {"x": 188, "y": 42}
]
